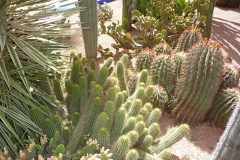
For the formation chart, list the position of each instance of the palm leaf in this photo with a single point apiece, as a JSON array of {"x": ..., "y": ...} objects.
[
  {"x": 3, "y": 71},
  {"x": 18, "y": 65},
  {"x": 2, "y": 37}
]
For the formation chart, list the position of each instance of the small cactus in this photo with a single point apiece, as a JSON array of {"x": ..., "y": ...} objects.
[
  {"x": 144, "y": 60},
  {"x": 223, "y": 106}
]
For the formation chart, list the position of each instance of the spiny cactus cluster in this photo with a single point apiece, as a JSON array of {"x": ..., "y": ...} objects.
[
  {"x": 99, "y": 112},
  {"x": 198, "y": 79}
]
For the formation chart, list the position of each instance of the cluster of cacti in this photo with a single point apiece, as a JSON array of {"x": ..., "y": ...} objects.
[
  {"x": 198, "y": 80},
  {"x": 99, "y": 106},
  {"x": 228, "y": 3},
  {"x": 175, "y": 15},
  {"x": 116, "y": 30}
]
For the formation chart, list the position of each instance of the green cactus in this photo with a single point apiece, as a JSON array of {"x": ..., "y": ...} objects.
[
  {"x": 179, "y": 58},
  {"x": 102, "y": 76},
  {"x": 165, "y": 154},
  {"x": 132, "y": 155},
  {"x": 154, "y": 116},
  {"x": 129, "y": 125},
  {"x": 75, "y": 72},
  {"x": 224, "y": 105},
  {"x": 96, "y": 109},
  {"x": 230, "y": 76},
  {"x": 121, "y": 75},
  {"x": 227, "y": 147},
  {"x": 74, "y": 103},
  {"x": 187, "y": 39},
  {"x": 163, "y": 72},
  {"x": 101, "y": 122},
  {"x": 89, "y": 19},
  {"x": 159, "y": 97},
  {"x": 170, "y": 138},
  {"x": 120, "y": 147},
  {"x": 133, "y": 137},
  {"x": 49, "y": 127},
  {"x": 116, "y": 119},
  {"x": 109, "y": 109},
  {"x": 58, "y": 90},
  {"x": 44, "y": 84},
  {"x": 135, "y": 108},
  {"x": 200, "y": 79},
  {"x": 103, "y": 137},
  {"x": 59, "y": 149},
  {"x": 118, "y": 125},
  {"x": 144, "y": 60}
]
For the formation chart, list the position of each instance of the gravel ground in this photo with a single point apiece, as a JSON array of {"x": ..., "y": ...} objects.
[{"x": 201, "y": 140}]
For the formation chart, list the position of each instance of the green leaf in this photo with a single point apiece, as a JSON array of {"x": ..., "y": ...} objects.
[
  {"x": 2, "y": 37},
  {"x": 18, "y": 65},
  {"x": 5, "y": 138},
  {"x": 3, "y": 71},
  {"x": 22, "y": 27},
  {"x": 186, "y": 9},
  {"x": 27, "y": 50},
  {"x": 9, "y": 127}
]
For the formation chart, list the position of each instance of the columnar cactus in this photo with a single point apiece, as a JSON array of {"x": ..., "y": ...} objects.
[
  {"x": 228, "y": 145},
  {"x": 224, "y": 105},
  {"x": 198, "y": 83},
  {"x": 89, "y": 19}
]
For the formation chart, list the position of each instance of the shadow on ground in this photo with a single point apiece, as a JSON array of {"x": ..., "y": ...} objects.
[{"x": 227, "y": 32}]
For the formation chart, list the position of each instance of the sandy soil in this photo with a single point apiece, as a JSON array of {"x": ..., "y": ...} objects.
[{"x": 200, "y": 142}]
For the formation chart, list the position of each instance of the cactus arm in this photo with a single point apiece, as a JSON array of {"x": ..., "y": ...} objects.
[{"x": 169, "y": 139}]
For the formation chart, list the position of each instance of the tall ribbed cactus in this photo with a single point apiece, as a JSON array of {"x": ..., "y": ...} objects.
[
  {"x": 198, "y": 83},
  {"x": 89, "y": 19},
  {"x": 228, "y": 145}
]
